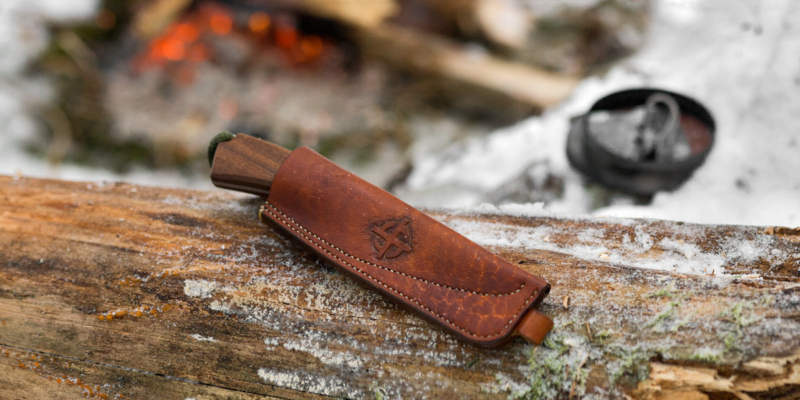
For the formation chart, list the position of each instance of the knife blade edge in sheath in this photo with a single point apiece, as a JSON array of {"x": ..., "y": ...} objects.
[{"x": 384, "y": 243}]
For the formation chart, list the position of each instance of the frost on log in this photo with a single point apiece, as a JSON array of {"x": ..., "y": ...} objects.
[{"x": 119, "y": 291}]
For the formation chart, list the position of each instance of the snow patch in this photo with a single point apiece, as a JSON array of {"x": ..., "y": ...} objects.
[
  {"x": 307, "y": 382},
  {"x": 740, "y": 61},
  {"x": 199, "y": 288},
  {"x": 317, "y": 344},
  {"x": 202, "y": 338},
  {"x": 680, "y": 257}
]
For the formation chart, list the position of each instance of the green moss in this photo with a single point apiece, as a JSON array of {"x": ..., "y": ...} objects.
[
  {"x": 566, "y": 325},
  {"x": 706, "y": 357},
  {"x": 602, "y": 336},
  {"x": 380, "y": 393},
  {"x": 661, "y": 319},
  {"x": 546, "y": 377},
  {"x": 554, "y": 342},
  {"x": 660, "y": 293},
  {"x": 553, "y": 370},
  {"x": 632, "y": 364},
  {"x": 731, "y": 340},
  {"x": 682, "y": 323},
  {"x": 742, "y": 313}
]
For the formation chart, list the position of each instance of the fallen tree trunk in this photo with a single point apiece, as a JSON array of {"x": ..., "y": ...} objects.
[{"x": 114, "y": 290}]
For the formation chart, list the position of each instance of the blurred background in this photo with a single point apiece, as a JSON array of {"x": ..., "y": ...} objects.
[{"x": 458, "y": 103}]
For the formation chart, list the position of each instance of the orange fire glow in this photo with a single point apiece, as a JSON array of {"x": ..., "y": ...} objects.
[
  {"x": 311, "y": 46},
  {"x": 187, "y": 32},
  {"x": 184, "y": 43},
  {"x": 220, "y": 22},
  {"x": 259, "y": 22},
  {"x": 197, "y": 53},
  {"x": 172, "y": 49},
  {"x": 285, "y": 36}
]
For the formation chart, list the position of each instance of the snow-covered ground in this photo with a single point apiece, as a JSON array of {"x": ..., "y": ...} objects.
[{"x": 741, "y": 59}]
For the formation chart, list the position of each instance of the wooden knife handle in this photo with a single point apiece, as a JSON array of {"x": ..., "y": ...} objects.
[{"x": 245, "y": 163}]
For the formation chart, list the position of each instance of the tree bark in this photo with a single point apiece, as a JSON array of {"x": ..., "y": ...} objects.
[{"x": 115, "y": 290}]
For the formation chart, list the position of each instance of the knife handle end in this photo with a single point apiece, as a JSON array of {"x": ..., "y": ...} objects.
[{"x": 244, "y": 163}]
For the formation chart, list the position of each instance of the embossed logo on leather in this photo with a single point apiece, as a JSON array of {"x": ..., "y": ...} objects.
[{"x": 392, "y": 238}]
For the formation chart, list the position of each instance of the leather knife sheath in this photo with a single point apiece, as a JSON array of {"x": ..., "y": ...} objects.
[{"x": 389, "y": 246}]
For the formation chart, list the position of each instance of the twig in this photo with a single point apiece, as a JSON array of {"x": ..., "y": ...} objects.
[{"x": 577, "y": 373}]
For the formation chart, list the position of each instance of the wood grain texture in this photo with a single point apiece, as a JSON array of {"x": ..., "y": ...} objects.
[
  {"x": 155, "y": 293},
  {"x": 247, "y": 164}
]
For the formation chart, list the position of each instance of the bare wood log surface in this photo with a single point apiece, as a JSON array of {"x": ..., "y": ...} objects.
[{"x": 122, "y": 291}]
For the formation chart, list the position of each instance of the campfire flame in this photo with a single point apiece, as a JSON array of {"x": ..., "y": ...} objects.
[
  {"x": 259, "y": 23},
  {"x": 184, "y": 44}
]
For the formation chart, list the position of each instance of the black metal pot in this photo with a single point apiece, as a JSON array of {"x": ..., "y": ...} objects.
[{"x": 590, "y": 152}]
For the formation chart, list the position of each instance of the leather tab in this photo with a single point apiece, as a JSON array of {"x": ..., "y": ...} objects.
[{"x": 534, "y": 327}]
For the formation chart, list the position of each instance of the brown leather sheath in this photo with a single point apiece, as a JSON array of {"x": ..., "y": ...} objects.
[{"x": 402, "y": 253}]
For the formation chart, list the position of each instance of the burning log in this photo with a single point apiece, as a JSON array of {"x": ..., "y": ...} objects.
[
  {"x": 359, "y": 13},
  {"x": 114, "y": 290},
  {"x": 153, "y": 19},
  {"x": 434, "y": 55},
  {"x": 427, "y": 53},
  {"x": 407, "y": 48}
]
